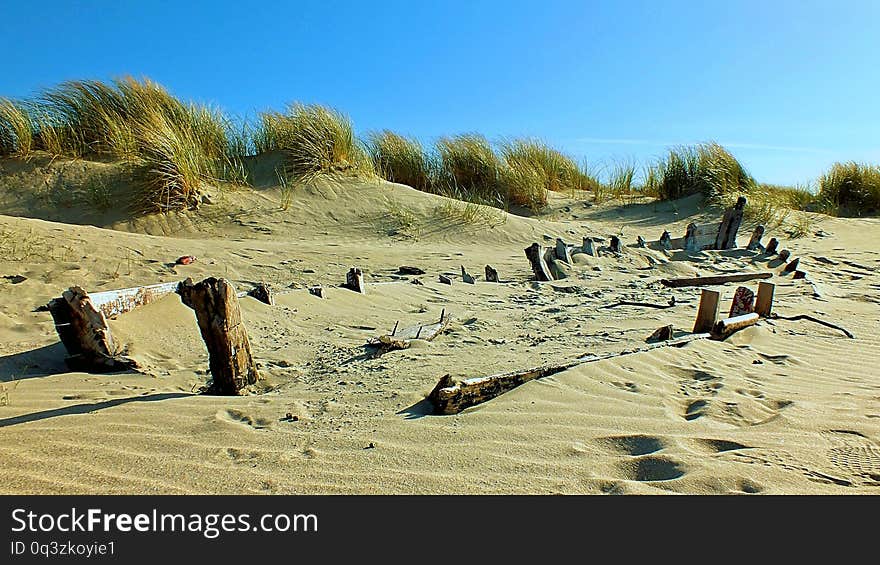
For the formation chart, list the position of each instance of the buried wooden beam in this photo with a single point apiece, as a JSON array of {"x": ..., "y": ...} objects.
[
  {"x": 784, "y": 255},
  {"x": 402, "y": 338},
  {"x": 728, "y": 326},
  {"x": 451, "y": 397},
  {"x": 715, "y": 279},
  {"x": 115, "y": 302},
  {"x": 466, "y": 277},
  {"x": 755, "y": 241},
  {"x": 354, "y": 280},
  {"x": 491, "y": 274},
  {"x": 814, "y": 320},
  {"x": 730, "y": 223},
  {"x": 764, "y": 300},
  {"x": 263, "y": 293},
  {"x": 85, "y": 334},
  {"x": 219, "y": 318},
  {"x": 535, "y": 255},
  {"x": 710, "y": 302}
]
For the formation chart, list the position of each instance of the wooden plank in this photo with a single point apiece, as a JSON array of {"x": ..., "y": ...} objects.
[
  {"x": 219, "y": 318},
  {"x": 466, "y": 277},
  {"x": 402, "y": 338},
  {"x": 715, "y": 279},
  {"x": 728, "y": 326},
  {"x": 743, "y": 302},
  {"x": 491, "y": 274},
  {"x": 764, "y": 300},
  {"x": 450, "y": 397},
  {"x": 115, "y": 302},
  {"x": 710, "y": 302},
  {"x": 772, "y": 245}
]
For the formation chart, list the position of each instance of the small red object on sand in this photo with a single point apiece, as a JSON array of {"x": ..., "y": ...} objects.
[{"x": 185, "y": 260}]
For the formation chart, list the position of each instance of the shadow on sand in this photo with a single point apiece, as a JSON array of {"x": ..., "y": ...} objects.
[{"x": 86, "y": 408}]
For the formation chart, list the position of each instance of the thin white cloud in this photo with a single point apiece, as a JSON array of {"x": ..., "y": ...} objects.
[{"x": 730, "y": 144}]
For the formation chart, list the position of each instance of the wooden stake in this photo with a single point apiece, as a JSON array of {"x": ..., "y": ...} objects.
[
  {"x": 491, "y": 274},
  {"x": 539, "y": 266},
  {"x": 263, "y": 293},
  {"x": 354, "y": 280},
  {"x": 726, "y": 238},
  {"x": 316, "y": 291},
  {"x": 755, "y": 241},
  {"x": 219, "y": 318},
  {"x": 85, "y": 334},
  {"x": 715, "y": 279},
  {"x": 445, "y": 280},
  {"x": 784, "y": 255},
  {"x": 771, "y": 246},
  {"x": 792, "y": 266},
  {"x": 640, "y": 241},
  {"x": 466, "y": 277},
  {"x": 588, "y": 247},
  {"x": 710, "y": 301},
  {"x": 562, "y": 252},
  {"x": 665, "y": 241},
  {"x": 690, "y": 238},
  {"x": 764, "y": 301},
  {"x": 616, "y": 246}
]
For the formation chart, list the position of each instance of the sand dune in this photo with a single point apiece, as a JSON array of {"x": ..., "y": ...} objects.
[{"x": 784, "y": 407}]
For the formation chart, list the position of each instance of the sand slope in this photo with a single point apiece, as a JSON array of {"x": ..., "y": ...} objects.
[{"x": 786, "y": 407}]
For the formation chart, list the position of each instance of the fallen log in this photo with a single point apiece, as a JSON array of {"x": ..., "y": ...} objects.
[
  {"x": 815, "y": 320},
  {"x": 451, "y": 397},
  {"x": 670, "y": 304},
  {"x": 728, "y": 326},
  {"x": 84, "y": 332},
  {"x": 219, "y": 317},
  {"x": 715, "y": 279}
]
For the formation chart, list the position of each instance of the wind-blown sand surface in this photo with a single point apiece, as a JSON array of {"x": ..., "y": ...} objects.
[{"x": 783, "y": 407}]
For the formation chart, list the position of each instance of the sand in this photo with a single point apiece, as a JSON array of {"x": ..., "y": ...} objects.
[{"x": 783, "y": 407}]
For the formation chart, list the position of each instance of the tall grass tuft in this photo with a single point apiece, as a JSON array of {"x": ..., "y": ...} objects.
[
  {"x": 16, "y": 129},
  {"x": 402, "y": 160},
  {"x": 559, "y": 172},
  {"x": 707, "y": 169},
  {"x": 850, "y": 189},
  {"x": 315, "y": 140}
]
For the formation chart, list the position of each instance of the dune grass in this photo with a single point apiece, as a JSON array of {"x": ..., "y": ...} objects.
[
  {"x": 315, "y": 140},
  {"x": 403, "y": 160},
  {"x": 707, "y": 169},
  {"x": 16, "y": 129},
  {"x": 850, "y": 189}
]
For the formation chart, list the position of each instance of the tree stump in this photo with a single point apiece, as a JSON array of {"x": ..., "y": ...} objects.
[
  {"x": 710, "y": 300},
  {"x": 466, "y": 277},
  {"x": 743, "y": 302},
  {"x": 219, "y": 317},
  {"x": 764, "y": 300},
  {"x": 354, "y": 280},
  {"x": 726, "y": 238},
  {"x": 539, "y": 266},
  {"x": 562, "y": 252},
  {"x": 755, "y": 241},
  {"x": 771, "y": 246},
  {"x": 85, "y": 334},
  {"x": 491, "y": 274},
  {"x": 263, "y": 293}
]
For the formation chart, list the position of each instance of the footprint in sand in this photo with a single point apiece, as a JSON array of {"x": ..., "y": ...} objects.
[
  {"x": 240, "y": 418},
  {"x": 651, "y": 468},
  {"x": 633, "y": 445},
  {"x": 715, "y": 446}
]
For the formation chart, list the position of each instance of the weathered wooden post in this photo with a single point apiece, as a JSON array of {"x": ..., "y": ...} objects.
[
  {"x": 690, "y": 238},
  {"x": 491, "y": 274},
  {"x": 354, "y": 280},
  {"x": 665, "y": 241},
  {"x": 616, "y": 246},
  {"x": 792, "y": 266},
  {"x": 85, "y": 334},
  {"x": 539, "y": 265},
  {"x": 466, "y": 277},
  {"x": 743, "y": 302},
  {"x": 317, "y": 291},
  {"x": 263, "y": 293},
  {"x": 445, "y": 280},
  {"x": 764, "y": 301},
  {"x": 640, "y": 242},
  {"x": 755, "y": 241},
  {"x": 588, "y": 246},
  {"x": 710, "y": 300},
  {"x": 771, "y": 246},
  {"x": 219, "y": 317},
  {"x": 784, "y": 255},
  {"x": 726, "y": 238},
  {"x": 562, "y": 252}
]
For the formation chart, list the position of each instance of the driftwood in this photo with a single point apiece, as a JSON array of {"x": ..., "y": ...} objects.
[
  {"x": 450, "y": 397},
  {"x": 784, "y": 255},
  {"x": 730, "y": 223},
  {"x": 815, "y": 320},
  {"x": 562, "y": 252},
  {"x": 710, "y": 302},
  {"x": 755, "y": 241},
  {"x": 403, "y": 338},
  {"x": 764, "y": 300},
  {"x": 792, "y": 266},
  {"x": 85, "y": 334},
  {"x": 354, "y": 280},
  {"x": 743, "y": 302},
  {"x": 589, "y": 247},
  {"x": 728, "y": 326},
  {"x": 219, "y": 318},
  {"x": 445, "y": 280},
  {"x": 771, "y": 246},
  {"x": 715, "y": 279},
  {"x": 535, "y": 256},
  {"x": 263, "y": 293},
  {"x": 114, "y": 302},
  {"x": 466, "y": 277},
  {"x": 665, "y": 241},
  {"x": 317, "y": 291},
  {"x": 491, "y": 274},
  {"x": 670, "y": 304},
  {"x": 660, "y": 334}
]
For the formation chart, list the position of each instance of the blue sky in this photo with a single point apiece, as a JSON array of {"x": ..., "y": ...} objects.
[{"x": 789, "y": 86}]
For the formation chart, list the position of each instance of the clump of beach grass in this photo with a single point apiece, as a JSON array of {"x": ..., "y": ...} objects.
[
  {"x": 16, "y": 129},
  {"x": 707, "y": 169},
  {"x": 850, "y": 189},
  {"x": 402, "y": 160}
]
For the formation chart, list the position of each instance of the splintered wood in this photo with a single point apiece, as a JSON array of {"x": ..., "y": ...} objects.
[
  {"x": 402, "y": 338},
  {"x": 714, "y": 279},
  {"x": 219, "y": 318},
  {"x": 535, "y": 255},
  {"x": 451, "y": 396},
  {"x": 85, "y": 334}
]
